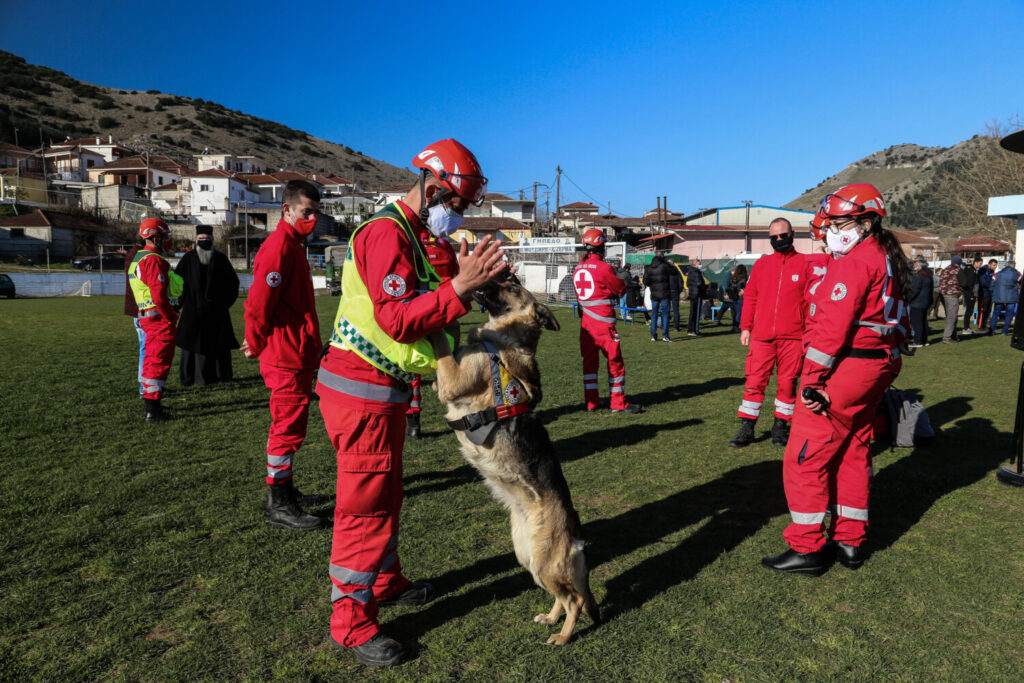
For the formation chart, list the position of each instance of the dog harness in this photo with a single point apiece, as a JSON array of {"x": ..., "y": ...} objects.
[{"x": 509, "y": 401}]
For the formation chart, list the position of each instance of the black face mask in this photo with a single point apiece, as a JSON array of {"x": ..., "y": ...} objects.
[
  {"x": 204, "y": 244},
  {"x": 782, "y": 242}
]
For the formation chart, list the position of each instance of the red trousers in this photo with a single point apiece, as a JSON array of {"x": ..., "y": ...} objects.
[
  {"x": 762, "y": 357},
  {"x": 597, "y": 337},
  {"x": 160, "y": 334},
  {"x": 368, "y": 438},
  {"x": 290, "y": 389},
  {"x": 416, "y": 400},
  {"x": 827, "y": 464}
]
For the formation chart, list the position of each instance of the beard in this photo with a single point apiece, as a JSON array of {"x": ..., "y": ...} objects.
[{"x": 205, "y": 256}]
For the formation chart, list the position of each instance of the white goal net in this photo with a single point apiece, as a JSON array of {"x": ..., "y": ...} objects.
[{"x": 545, "y": 265}]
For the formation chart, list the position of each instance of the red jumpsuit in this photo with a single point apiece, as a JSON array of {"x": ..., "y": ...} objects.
[
  {"x": 364, "y": 412},
  {"x": 856, "y": 323},
  {"x": 442, "y": 257},
  {"x": 282, "y": 329},
  {"x": 160, "y": 328},
  {"x": 598, "y": 288},
  {"x": 773, "y": 313}
]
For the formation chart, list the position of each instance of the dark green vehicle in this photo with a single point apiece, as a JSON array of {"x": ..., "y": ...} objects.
[{"x": 6, "y": 286}]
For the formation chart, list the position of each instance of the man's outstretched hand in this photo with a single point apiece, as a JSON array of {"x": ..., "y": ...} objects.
[{"x": 477, "y": 268}]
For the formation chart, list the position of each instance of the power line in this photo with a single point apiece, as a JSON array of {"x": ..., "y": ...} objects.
[{"x": 588, "y": 195}]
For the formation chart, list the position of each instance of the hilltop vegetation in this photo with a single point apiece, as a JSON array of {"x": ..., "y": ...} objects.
[
  {"x": 944, "y": 190},
  {"x": 47, "y": 106}
]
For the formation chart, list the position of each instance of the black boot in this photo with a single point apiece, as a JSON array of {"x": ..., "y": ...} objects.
[
  {"x": 848, "y": 555},
  {"x": 780, "y": 432},
  {"x": 746, "y": 434},
  {"x": 792, "y": 562},
  {"x": 153, "y": 411},
  {"x": 412, "y": 426},
  {"x": 377, "y": 651},
  {"x": 284, "y": 511}
]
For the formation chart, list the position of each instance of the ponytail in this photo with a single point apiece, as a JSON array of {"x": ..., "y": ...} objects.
[{"x": 900, "y": 265}]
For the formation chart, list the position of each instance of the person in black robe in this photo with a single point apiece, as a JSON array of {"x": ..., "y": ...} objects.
[{"x": 205, "y": 334}]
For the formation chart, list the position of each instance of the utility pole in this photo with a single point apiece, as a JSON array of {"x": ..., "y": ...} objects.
[
  {"x": 558, "y": 191},
  {"x": 746, "y": 239},
  {"x": 547, "y": 208}
]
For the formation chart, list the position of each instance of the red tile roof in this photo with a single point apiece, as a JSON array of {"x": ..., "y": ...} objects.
[
  {"x": 578, "y": 205},
  {"x": 168, "y": 186},
  {"x": 156, "y": 162},
  {"x": 285, "y": 176},
  {"x": 916, "y": 237},
  {"x": 979, "y": 242},
  {"x": 496, "y": 197},
  {"x": 212, "y": 173},
  {"x": 14, "y": 149},
  {"x": 46, "y": 219},
  {"x": 260, "y": 179}
]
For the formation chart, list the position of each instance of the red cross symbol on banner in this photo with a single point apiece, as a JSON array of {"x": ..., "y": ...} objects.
[{"x": 584, "y": 284}]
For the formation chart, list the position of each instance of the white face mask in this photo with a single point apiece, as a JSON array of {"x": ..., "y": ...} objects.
[
  {"x": 841, "y": 242},
  {"x": 441, "y": 222}
]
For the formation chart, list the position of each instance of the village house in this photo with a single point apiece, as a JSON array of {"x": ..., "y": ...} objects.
[
  {"x": 216, "y": 196},
  {"x": 572, "y": 216},
  {"x": 31, "y": 234},
  {"x": 333, "y": 186},
  {"x": 19, "y": 159},
  {"x": 143, "y": 170},
  {"x": 982, "y": 246},
  {"x": 501, "y": 206},
  {"x": 509, "y": 230},
  {"x": 232, "y": 163},
  {"x": 918, "y": 244},
  {"x": 385, "y": 196}
]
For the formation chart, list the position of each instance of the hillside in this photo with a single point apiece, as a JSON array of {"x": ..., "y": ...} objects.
[
  {"x": 48, "y": 104},
  {"x": 943, "y": 190}
]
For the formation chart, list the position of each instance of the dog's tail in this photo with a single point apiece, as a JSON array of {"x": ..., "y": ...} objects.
[{"x": 581, "y": 581}]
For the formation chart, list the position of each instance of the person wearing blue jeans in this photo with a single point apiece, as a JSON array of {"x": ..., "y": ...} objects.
[
  {"x": 142, "y": 351},
  {"x": 1004, "y": 297},
  {"x": 659, "y": 310}
]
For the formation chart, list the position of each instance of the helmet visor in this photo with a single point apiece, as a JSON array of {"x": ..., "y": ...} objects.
[
  {"x": 470, "y": 186},
  {"x": 834, "y": 205}
]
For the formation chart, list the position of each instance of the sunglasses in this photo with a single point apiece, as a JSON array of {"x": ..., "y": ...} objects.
[{"x": 457, "y": 178}]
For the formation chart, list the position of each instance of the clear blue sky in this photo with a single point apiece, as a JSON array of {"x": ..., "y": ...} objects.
[{"x": 708, "y": 103}]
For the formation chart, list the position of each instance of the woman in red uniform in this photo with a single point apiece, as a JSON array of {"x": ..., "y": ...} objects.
[{"x": 856, "y": 332}]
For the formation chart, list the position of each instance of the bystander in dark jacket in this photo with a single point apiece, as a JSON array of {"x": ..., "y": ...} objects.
[
  {"x": 919, "y": 298},
  {"x": 968, "y": 281}
]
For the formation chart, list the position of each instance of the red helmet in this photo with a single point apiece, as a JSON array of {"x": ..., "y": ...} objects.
[
  {"x": 593, "y": 237},
  {"x": 456, "y": 168},
  {"x": 151, "y": 227}
]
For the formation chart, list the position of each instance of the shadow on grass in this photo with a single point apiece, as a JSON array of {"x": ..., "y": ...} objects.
[
  {"x": 671, "y": 393},
  {"x": 904, "y": 491},
  {"x": 732, "y": 507}
]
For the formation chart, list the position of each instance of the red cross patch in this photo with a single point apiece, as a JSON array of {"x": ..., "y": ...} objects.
[
  {"x": 513, "y": 394},
  {"x": 274, "y": 278},
  {"x": 394, "y": 285},
  {"x": 584, "y": 284},
  {"x": 838, "y": 292}
]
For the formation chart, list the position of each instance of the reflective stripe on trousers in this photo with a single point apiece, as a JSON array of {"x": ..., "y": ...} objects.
[{"x": 750, "y": 409}]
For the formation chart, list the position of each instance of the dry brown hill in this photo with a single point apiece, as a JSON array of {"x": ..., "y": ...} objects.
[
  {"x": 943, "y": 190},
  {"x": 46, "y": 106}
]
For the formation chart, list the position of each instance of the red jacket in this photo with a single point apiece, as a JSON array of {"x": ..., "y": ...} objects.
[
  {"x": 281, "y": 325},
  {"x": 440, "y": 253},
  {"x": 154, "y": 272},
  {"x": 857, "y": 305},
  {"x": 383, "y": 253},
  {"x": 595, "y": 280},
  {"x": 773, "y": 301}
]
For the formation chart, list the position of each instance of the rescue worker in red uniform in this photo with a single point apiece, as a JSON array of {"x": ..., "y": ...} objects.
[
  {"x": 771, "y": 325},
  {"x": 391, "y": 300},
  {"x": 156, "y": 289},
  {"x": 597, "y": 289},
  {"x": 283, "y": 331},
  {"x": 857, "y": 330},
  {"x": 441, "y": 256}
]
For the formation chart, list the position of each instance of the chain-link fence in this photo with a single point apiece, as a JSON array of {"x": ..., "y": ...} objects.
[{"x": 546, "y": 269}]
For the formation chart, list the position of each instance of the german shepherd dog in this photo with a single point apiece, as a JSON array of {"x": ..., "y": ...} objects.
[{"x": 517, "y": 459}]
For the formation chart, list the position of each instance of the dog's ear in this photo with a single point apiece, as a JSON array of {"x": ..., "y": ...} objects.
[{"x": 544, "y": 317}]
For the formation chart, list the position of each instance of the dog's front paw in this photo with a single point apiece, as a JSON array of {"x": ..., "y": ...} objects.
[
  {"x": 558, "y": 639},
  {"x": 545, "y": 619}
]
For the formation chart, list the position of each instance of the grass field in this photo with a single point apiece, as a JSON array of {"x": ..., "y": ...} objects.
[{"x": 141, "y": 552}]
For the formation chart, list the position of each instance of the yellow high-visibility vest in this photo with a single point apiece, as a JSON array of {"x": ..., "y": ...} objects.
[
  {"x": 355, "y": 328},
  {"x": 143, "y": 298}
]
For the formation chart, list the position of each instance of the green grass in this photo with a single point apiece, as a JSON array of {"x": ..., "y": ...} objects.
[{"x": 141, "y": 552}]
